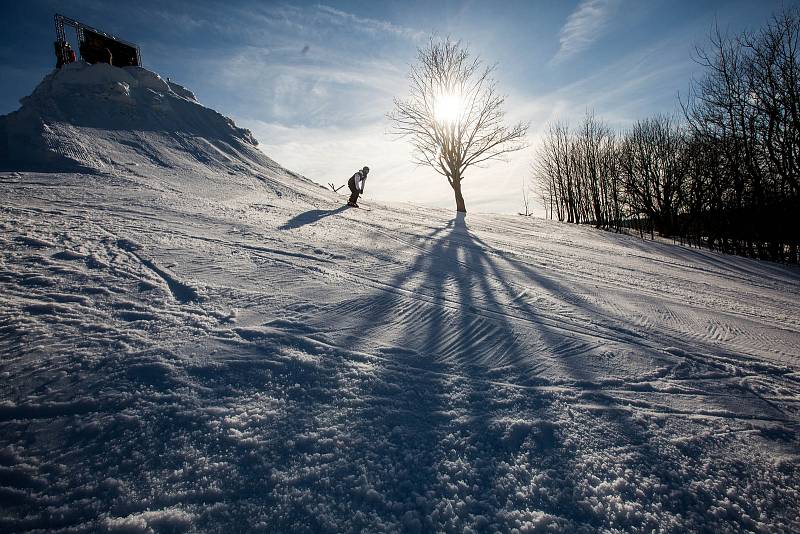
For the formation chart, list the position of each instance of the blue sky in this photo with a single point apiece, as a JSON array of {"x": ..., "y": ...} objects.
[{"x": 314, "y": 80}]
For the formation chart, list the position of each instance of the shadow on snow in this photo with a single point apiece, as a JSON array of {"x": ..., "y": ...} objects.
[
  {"x": 448, "y": 410},
  {"x": 310, "y": 217}
]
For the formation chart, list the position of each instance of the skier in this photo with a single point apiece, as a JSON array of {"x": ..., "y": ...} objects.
[{"x": 356, "y": 185}]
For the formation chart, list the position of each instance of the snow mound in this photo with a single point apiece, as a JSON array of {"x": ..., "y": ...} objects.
[{"x": 92, "y": 117}]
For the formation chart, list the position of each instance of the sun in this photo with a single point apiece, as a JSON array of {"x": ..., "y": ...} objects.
[{"x": 447, "y": 108}]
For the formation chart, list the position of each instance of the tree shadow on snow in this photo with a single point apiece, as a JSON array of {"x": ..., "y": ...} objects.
[
  {"x": 453, "y": 401},
  {"x": 445, "y": 417}
]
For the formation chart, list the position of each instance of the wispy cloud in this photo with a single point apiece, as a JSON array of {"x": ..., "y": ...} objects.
[
  {"x": 369, "y": 25},
  {"x": 583, "y": 27}
]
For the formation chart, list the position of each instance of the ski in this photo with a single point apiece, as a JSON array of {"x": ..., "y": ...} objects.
[{"x": 359, "y": 207}]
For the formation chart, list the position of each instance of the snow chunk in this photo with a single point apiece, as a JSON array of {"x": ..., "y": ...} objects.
[
  {"x": 168, "y": 519},
  {"x": 35, "y": 242}
]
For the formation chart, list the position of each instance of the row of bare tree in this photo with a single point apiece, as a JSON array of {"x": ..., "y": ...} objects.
[
  {"x": 592, "y": 175},
  {"x": 724, "y": 175}
]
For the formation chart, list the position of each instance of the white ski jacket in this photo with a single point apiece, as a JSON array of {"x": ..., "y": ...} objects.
[{"x": 358, "y": 180}]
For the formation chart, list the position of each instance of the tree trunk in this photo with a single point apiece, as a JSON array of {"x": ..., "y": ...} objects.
[{"x": 456, "y": 184}]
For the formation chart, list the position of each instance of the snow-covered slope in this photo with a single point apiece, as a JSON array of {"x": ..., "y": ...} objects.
[
  {"x": 195, "y": 339},
  {"x": 103, "y": 119}
]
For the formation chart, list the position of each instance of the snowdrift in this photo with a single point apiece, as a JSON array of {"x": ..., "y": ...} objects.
[{"x": 194, "y": 339}]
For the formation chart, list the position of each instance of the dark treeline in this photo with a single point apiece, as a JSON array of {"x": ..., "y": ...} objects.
[{"x": 723, "y": 174}]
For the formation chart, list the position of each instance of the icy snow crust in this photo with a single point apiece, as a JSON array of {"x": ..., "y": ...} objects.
[{"x": 195, "y": 339}]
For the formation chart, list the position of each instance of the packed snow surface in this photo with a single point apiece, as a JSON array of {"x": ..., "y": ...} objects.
[{"x": 195, "y": 339}]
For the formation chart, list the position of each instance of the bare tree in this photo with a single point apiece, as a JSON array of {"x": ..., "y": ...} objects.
[
  {"x": 744, "y": 119},
  {"x": 579, "y": 173},
  {"x": 527, "y": 201},
  {"x": 554, "y": 171},
  {"x": 454, "y": 114},
  {"x": 655, "y": 170}
]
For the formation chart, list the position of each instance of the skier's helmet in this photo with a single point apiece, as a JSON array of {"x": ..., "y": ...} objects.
[{"x": 365, "y": 169}]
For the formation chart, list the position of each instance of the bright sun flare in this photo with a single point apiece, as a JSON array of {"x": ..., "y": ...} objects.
[{"x": 448, "y": 108}]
